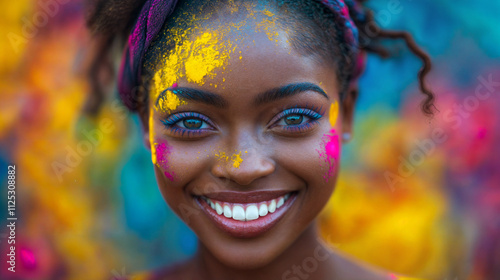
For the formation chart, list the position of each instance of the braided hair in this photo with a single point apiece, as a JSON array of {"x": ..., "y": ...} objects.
[{"x": 340, "y": 31}]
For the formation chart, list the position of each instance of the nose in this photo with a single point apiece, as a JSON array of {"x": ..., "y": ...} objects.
[{"x": 254, "y": 164}]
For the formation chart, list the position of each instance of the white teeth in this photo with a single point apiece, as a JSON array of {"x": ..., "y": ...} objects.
[
  {"x": 227, "y": 211},
  {"x": 263, "y": 209},
  {"x": 252, "y": 213},
  {"x": 281, "y": 201},
  {"x": 218, "y": 208},
  {"x": 272, "y": 206},
  {"x": 238, "y": 213}
]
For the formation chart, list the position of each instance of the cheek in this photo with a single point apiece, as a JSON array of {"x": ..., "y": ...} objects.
[
  {"x": 329, "y": 153},
  {"x": 161, "y": 157}
]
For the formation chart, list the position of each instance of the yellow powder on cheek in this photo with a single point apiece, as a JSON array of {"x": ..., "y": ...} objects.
[
  {"x": 153, "y": 153},
  {"x": 151, "y": 137}
]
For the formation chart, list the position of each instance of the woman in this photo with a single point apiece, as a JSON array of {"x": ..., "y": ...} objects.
[{"x": 245, "y": 105}]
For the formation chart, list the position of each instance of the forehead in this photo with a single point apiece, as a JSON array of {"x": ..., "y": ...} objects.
[{"x": 240, "y": 46}]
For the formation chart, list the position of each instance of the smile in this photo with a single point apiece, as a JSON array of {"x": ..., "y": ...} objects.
[
  {"x": 246, "y": 212},
  {"x": 246, "y": 215}
]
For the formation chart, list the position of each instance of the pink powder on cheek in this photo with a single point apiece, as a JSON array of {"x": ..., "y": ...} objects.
[
  {"x": 332, "y": 147},
  {"x": 162, "y": 152},
  {"x": 330, "y": 152}
]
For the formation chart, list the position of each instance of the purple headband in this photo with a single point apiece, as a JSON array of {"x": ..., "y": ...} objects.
[{"x": 154, "y": 14}]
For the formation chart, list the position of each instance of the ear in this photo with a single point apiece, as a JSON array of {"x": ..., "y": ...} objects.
[
  {"x": 144, "y": 117},
  {"x": 348, "y": 105}
]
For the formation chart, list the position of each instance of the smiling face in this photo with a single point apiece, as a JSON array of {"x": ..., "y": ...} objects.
[{"x": 244, "y": 136}]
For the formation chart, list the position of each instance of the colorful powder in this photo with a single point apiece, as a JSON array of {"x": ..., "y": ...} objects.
[
  {"x": 169, "y": 101},
  {"x": 334, "y": 113},
  {"x": 268, "y": 13},
  {"x": 205, "y": 57},
  {"x": 269, "y": 26},
  {"x": 235, "y": 158},
  {"x": 330, "y": 151},
  {"x": 162, "y": 151},
  {"x": 193, "y": 59},
  {"x": 197, "y": 59},
  {"x": 222, "y": 156},
  {"x": 151, "y": 137}
]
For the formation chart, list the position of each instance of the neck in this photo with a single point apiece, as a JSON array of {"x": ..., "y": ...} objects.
[{"x": 307, "y": 258}]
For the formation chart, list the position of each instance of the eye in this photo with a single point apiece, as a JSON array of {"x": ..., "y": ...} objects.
[
  {"x": 295, "y": 120},
  {"x": 192, "y": 123},
  {"x": 188, "y": 124}
]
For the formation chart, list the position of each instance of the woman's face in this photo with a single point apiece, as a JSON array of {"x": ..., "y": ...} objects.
[{"x": 239, "y": 121}]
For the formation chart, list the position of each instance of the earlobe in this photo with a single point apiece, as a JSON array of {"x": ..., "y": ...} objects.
[{"x": 346, "y": 137}]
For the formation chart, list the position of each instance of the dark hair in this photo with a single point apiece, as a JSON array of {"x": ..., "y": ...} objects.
[{"x": 110, "y": 21}]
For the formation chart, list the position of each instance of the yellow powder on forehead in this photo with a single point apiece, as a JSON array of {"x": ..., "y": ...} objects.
[
  {"x": 197, "y": 60},
  {"x": 207, "y": 54},
  {"x": 269, "y": 25},
  {"x": 268, "y": 13},
  {"x": 232, "y": 7}
]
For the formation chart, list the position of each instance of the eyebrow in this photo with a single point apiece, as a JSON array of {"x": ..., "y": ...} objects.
[
  {"x": 287, "y": 91},
  {"x": 196, "y": 95},
  {"x": 265, "y": 97}
]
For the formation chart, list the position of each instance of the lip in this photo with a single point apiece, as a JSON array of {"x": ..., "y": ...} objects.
[{"x": 247, "y": 229}]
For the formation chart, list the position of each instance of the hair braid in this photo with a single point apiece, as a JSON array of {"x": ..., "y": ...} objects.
[{"x": 370, "y": 42}]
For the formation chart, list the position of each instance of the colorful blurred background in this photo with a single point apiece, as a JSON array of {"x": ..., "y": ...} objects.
[{"x": 418, "y": 197}]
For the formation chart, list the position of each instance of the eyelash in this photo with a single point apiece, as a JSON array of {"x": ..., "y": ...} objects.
[
  {"x": 171, "y": 124},
  {"x": 314, "y": 114}
]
